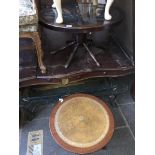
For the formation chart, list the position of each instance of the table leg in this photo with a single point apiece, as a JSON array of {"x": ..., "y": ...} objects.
[
  {"x": 91, "y": 54},
  {"x": 71, "y": 56},
  {"x": 62, "y": 48},
  {"x": 57, "y": 5},
  {"x": 107, "y": 15}
]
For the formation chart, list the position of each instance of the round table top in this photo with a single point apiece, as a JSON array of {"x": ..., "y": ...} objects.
[
  {"x": 79, "y": 18},
  {"x": 82, "y": 123}
]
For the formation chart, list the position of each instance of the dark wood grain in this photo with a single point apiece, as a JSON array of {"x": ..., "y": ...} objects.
[
  {"x": 113, "y": 64},
  {"x": 113, "y": 61}
]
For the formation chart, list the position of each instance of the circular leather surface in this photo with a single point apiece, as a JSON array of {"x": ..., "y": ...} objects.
[{"x": 81, "y": 122}]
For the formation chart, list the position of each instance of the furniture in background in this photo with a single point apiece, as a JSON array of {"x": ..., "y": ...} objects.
[
  {"x": 28, "y": 27},
  {"x": 81, "y": 20},
  {"x": 114, "y": 60}
]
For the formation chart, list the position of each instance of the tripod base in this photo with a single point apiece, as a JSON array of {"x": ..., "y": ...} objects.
[{"x": 80, "y": 40}]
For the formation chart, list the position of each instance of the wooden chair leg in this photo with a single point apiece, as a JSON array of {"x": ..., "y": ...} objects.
[
  {"x": 36, "y": 39},
  {"x": 37, "y": 42}
]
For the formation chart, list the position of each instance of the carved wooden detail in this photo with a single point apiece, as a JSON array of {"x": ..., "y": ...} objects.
[{"x": 37, "y": 42}]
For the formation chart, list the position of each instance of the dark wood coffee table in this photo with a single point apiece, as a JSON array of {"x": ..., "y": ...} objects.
[{"x": 80, "y": 20}]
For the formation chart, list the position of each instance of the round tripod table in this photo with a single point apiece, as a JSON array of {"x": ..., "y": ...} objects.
[{"x": 80, "y": 20}]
